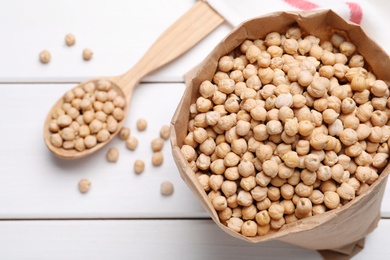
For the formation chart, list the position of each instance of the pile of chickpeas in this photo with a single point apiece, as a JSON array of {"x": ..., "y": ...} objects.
[
  {"x": 89, "y": 114},
  {"x": 289, "y": 127}
]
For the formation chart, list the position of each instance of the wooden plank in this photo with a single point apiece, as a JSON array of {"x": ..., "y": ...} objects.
[
  {"x": 119, "y": 33},
  {"x": 136, "y": 239},
  {"x": 152, "y": 239},
  {"x": 35, "y": 184}
]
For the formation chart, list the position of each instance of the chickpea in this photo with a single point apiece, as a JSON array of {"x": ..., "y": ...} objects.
[
  {"x": 246, "y": 168},
  {"x": 287, "y": 191},
  {"x": 364, "y": 112},
  {"x": 379, "y": 118},
  {"x": 219, "y": 203},
  {"x": 347, "y": 48},
  {"x": 273, "y": 193},
  {"x": 317, "y": 197},
  {"x": 142, "y": 124},
  {"x": 337, "y": 172},
  {"x": 90, "y": 141},
  {"x": 229, "y": 188},
  {"x": 244, "y": 198},
  {"x": 139, "y": 166},
  {"x": 56, "y": 140},
  {"x": 258, "y": 113},
  {"x": 364, "y": 159},
  {"x": 303, "y": 190},
  {"x": 348, "y": 136},
  {"x": 231, "y": 159},
  {"x": 380, "y": 160},
  {"x": 124, "y": 133},
  {"x": 273, "y": 38},
  {"x": 44, "y": 56},
  {"x": 379, "y": 103},
  {"x": 329, "y": 116},
  {"x": 276, "y": 211},
  {"x": 112, "y": 154},
  {"x": 331, "y": 199},
  {"x": 270, "y": 168},
  {"x": 225, "y": 214},
  {"x": 319, "y": 141},
  {"x": 84, "y": 185},
  {"x": 379, "y": 88},
  {"x": 346, "y": 191},
  {"x": 305, "y": 127},
  {"x": 235, "y": 224},
  {"x": 249, "y": 228},
  {"x": 225, "y": 63},
  {"x": 376, "y": 134},
  {"x": 215, "y": 182},
  {"x": 290, "y": 159},
  {"x": 204, "y": 181},
  {"x": 132, "y": 143},
  {"x": 304, "y": 206},
  {"x": 363, "y": 131},
  {"x": 274, "y": 127},
  {"x": 87, "y": 54},
  {"x": 207, "y": 89},
  {"x": 312, "y": 162},
  {"x": 262, "y": 179},
  {"x": 353, "y": 150},
  {"x": 318, "y": 87},
  {"x": 200, "y": 135},
  {"x": 318, "y": 209},
  {"x": 217, "y": 166},
  {"x": 305, "y": 78}
]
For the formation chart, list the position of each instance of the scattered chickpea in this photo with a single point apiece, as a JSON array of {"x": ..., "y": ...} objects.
[
  {"x": 124, "y": 133},
  {"x": 87, "y": 54},
  {"x": 158, "y": 144},
  {"x": 139, "y": 166},
  {"x": 132, "y": 143},
  {"x": 70, "y": 39},
  {"x": 84, "y": 185},
  {"x": 112, "y": 154},
  {"x": 166, "y": 188},
  {"x": 157, "y": 158},
  {"x": 165, "y": 132},
  {"x": 44, "y": 56}
]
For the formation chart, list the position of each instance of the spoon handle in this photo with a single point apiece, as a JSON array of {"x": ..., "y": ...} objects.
[{"x": 188, "y": 30}]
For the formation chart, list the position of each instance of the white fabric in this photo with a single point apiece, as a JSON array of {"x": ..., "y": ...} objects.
[{"x": 374, "y": 21}]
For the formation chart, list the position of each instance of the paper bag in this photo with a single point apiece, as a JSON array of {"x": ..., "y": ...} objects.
[{"x": 342, "y": 230}]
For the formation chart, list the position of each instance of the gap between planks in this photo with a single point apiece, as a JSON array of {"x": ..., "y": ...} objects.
[
  {"x": 78, "y": 82},
  {"x": 103, "y": 219},
  {"x": 119, "y": 218}
]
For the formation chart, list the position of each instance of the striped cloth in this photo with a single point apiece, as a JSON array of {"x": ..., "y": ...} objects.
[{"x": 369, "y": 14}]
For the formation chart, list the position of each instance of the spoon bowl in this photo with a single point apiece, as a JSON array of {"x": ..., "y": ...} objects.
[
  {"x": 189, "y": 29},
  {"x": 73, "y": 153}
]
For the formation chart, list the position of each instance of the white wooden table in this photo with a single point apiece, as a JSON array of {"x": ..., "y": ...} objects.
[{"x": 123, "y": 216}]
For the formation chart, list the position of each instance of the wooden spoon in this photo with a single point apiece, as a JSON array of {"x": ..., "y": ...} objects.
[{"x": 188, "y": 30}]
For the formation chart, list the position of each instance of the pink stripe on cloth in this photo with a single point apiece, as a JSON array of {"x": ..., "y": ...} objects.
[
  {"x": 356, "y": 12},
  {"x": 302, "y": 4}
]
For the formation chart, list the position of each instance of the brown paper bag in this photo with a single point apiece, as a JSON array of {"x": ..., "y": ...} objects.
[{"x": 337, "y": 233}]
